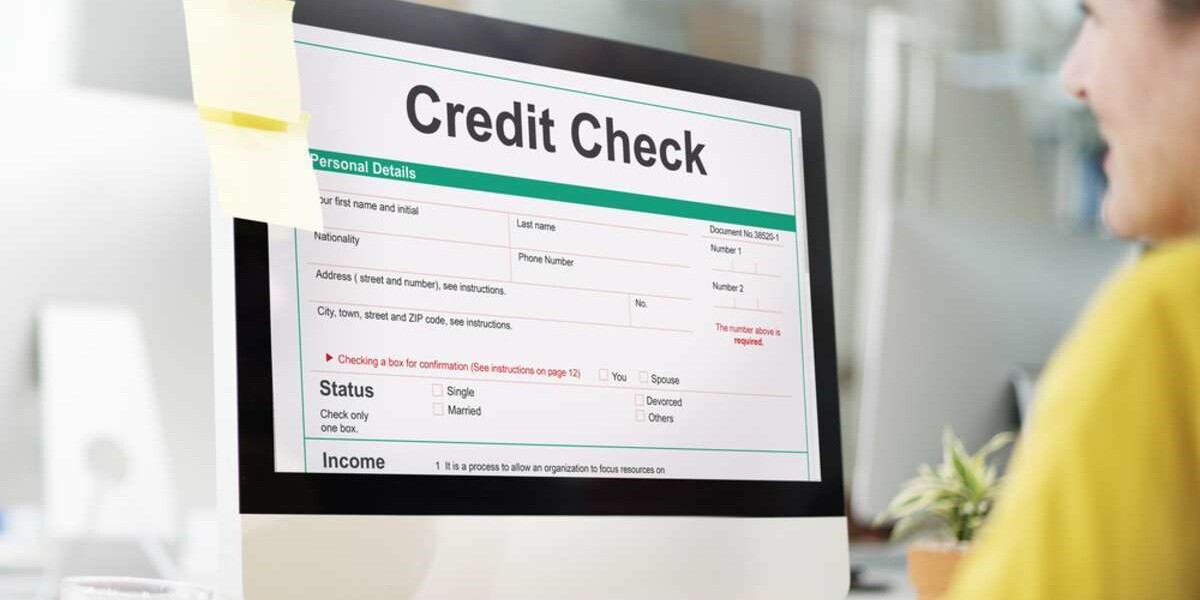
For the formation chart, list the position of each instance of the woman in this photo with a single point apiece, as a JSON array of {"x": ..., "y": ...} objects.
[{"x": 1103, "y": 499}]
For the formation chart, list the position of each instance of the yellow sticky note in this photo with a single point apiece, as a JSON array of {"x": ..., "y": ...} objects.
[
  {"x": 265, "y": 175},
  {"x": 243, "y": 56}
]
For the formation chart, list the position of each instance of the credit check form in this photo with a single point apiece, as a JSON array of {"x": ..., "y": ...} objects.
[{"x": 533, "y": 272}]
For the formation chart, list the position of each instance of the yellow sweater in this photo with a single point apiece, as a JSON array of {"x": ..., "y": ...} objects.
[{"x": 1103, "y": 499}]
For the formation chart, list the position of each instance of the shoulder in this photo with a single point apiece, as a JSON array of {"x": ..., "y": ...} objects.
[
  {"x": 1171, "y": 269},
  {"x": 1142, "y": 326},
  {"x": 1162, "y": 287}
]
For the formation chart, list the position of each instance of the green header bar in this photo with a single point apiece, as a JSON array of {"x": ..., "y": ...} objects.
[{"x": 382, "y": 168}]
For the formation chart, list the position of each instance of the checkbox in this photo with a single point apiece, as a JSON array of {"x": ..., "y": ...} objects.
[
  {"x": 603, "y": 374},
  {"x": 639, "y": 400},
  {"x": 639, "y": 415},
  {"x": 643, "y": 377},
  {"x": 437, "y": 390},
  {"x": 439, "y": 409}
]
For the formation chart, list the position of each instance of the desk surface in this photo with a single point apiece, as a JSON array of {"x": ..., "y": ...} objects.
[
  {"x": 884, "y": 570},
  {"x": 883, "y": 565}
]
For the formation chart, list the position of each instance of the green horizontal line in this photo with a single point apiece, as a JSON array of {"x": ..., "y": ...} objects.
[
  {"x": 541, "y": 85},
  {"x": 383, "y": 168},
  {"x": 447, "y": 442}
]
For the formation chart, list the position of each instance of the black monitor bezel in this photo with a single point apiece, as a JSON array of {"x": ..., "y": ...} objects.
[{"x": 264, "y": 491}]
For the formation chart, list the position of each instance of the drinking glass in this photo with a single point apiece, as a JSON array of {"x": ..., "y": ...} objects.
[{"x": 129, "y": 588}]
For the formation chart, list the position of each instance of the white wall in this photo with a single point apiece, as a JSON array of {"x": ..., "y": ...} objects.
[{"x": 657, "y": 23}]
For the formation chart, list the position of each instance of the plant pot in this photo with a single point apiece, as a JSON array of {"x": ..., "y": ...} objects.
[{"x": 931, "y": 567}]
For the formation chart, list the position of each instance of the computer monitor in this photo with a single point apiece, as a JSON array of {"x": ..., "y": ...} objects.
[{"x": 567, "y": 332}]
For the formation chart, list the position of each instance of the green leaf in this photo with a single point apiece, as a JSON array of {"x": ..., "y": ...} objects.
[
  {"x": 966, "y": 474},
  {"x": 908, "y": 527},
  {"x": 948, "y": 439},
  {"x": 989, "y": 476},
  {"x": 998, "y": 441}
]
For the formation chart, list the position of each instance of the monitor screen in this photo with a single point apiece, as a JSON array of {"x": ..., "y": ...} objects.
[{"x": 532, "y": 272}]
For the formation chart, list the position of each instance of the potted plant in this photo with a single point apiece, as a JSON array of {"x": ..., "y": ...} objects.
[{"x": 945, "y": 506}]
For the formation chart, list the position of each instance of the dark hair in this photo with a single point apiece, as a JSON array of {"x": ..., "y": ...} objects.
[{"x": 1182, "y": 8}]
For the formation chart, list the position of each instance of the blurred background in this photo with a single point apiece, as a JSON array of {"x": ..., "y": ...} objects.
[{"x": 963, "y": 194}]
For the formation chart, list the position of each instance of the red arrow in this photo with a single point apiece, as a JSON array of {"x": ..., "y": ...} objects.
[{"x": 328, "y": 357}]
